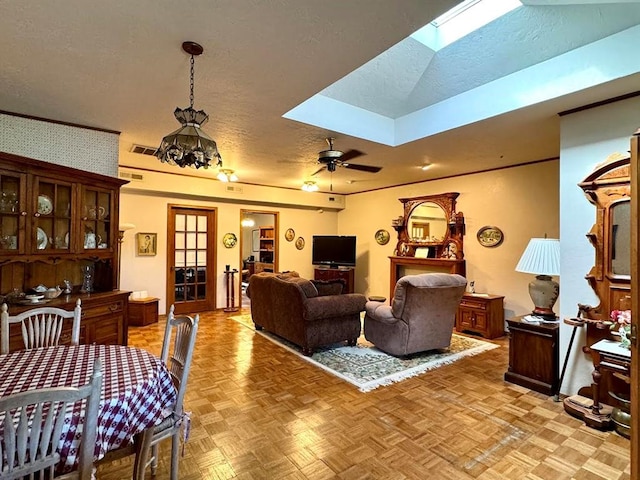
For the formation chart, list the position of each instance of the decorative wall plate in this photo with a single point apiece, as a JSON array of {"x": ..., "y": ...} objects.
[
  {"x": 45, "y": 205},
  {"x": 490, "y": 236},
  {"x": 382, "y": 237},
  {"x": 289, "y": 235},
  {"x": 229, "y": 240},
  {"x": 42, "y": 239},
  {"x": 300, "y": 243}
]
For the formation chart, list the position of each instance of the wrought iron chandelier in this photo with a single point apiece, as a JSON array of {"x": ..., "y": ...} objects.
[{"x": 189, "y": 146}]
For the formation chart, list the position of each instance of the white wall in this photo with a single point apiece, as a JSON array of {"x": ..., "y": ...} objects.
[
  {"x": 521, "y": 201},
  {"x": 587, "y": 139}
]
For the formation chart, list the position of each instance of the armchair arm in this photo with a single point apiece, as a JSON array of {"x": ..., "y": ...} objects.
[
  {"x": 380, "y": 312},
  {"x": 328, "y": 306}
]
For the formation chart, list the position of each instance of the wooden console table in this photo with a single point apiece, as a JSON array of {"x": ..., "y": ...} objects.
[
  {"x": 609, "y": 356},
  {"x": 346, "y": 274}
]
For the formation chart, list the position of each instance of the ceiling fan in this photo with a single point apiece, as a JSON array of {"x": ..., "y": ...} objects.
[{"x": 330, "y": 159}]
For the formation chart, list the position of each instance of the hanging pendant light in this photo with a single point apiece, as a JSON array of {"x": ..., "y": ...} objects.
[{"x": 189, "y": 146}]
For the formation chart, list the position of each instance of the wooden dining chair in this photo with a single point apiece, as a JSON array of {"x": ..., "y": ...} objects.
[
  {"x": 41, "y": 327},
  {"x": 33, "y": 422},
  {"x": 180, "y": 332}
]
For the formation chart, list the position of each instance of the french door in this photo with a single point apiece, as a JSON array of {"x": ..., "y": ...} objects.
[{"x": 191, "y": 273}]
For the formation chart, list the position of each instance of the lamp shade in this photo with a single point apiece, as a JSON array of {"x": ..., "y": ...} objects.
[{"x": 541, "y": 257}]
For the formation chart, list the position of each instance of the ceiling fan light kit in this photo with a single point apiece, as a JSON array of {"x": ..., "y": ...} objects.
[
  {"x": 189, "y": 146},
  {"x": 227, "y": 175},
  {"x": 310, "y": 186}
]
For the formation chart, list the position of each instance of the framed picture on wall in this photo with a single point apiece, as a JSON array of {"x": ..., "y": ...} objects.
[{"x": 146, "y": 244}]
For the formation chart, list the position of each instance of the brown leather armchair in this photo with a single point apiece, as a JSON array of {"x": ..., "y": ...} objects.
[{"x": 421, "y": 315}]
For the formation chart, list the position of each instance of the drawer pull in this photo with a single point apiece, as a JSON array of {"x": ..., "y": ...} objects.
[{"x": 113, "y": 307}]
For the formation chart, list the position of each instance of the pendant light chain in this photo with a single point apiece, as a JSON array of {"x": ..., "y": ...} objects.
[{"x": 191, "y": 83}]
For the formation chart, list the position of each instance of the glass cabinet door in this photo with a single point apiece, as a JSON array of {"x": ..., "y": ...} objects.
[
  {"x": 12, "y": 212},
  {"x": 52, "y": 228},
  {"x": 96, "y": 230}
]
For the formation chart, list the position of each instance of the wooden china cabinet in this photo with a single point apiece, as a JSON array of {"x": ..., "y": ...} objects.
[{"x": 56, "y": 221}]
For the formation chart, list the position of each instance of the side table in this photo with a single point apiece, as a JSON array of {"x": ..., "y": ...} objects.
[
  {"x": 143, "y": 311},
  {"x": 533, "y": 355},
  {"x": 481, "y": 313}
]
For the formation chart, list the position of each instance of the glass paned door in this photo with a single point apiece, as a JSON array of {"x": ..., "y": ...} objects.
[{"x": 191, "y": 259}]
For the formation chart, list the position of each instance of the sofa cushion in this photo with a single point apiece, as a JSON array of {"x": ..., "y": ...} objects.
[
  {"x": 329, "y": 287},
  {"x": 308, "y": 288}
]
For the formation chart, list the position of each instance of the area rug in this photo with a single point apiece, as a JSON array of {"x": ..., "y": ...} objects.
[{"x": 368, "y": 368}]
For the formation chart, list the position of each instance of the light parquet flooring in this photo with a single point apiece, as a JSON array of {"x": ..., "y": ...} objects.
[{"x": 260, "y": 412}]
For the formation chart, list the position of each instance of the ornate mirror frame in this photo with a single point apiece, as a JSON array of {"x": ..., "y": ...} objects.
[
  {"x": 606, "y": 187},
  {"x": 451, "y": 245}
]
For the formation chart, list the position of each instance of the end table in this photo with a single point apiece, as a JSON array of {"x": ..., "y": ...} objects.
[{"x": 143, "y": 311}]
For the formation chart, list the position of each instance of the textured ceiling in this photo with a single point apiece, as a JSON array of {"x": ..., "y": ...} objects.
[{"x": 118, "y": 65}]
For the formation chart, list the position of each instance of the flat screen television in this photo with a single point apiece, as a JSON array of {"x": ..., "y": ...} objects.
[{"x": 334, "y": 250}]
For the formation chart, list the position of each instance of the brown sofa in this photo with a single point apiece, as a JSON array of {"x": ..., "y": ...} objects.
[
  {"x": 421, "y": 315},
  {"x": 307, "y": 313}
]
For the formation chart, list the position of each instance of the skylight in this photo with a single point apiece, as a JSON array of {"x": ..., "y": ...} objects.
[{"x": 461, "y": 20}]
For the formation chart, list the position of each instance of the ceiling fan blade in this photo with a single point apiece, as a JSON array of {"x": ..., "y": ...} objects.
[
  {"x": 318, "y": 171},
  {"x": 349, "y": 154},
  {"x": 362, "y": 168}
]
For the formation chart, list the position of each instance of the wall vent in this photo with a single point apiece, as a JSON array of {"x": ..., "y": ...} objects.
[
  {"x": 233, "y": 188},
  {"x": 131, "y": 176},
  {"x": 142, "y": 150}
]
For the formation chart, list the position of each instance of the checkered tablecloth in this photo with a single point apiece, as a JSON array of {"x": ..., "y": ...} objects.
[{"x": 136, "y": 388}]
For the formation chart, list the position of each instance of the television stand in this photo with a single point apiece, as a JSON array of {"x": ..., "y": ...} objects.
[{"x": 345, "y": 273}]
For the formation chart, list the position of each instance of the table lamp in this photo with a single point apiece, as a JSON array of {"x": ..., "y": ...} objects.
[{"x": 542, "y": 258}]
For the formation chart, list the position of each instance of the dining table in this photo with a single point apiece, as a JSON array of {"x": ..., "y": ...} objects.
[{"x": 137, "y": 391}]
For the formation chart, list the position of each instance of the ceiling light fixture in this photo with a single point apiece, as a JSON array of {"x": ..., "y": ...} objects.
[
  {"x": 425, "y": 167},
  {"x": 189, "y": 146},
  {"x": 227, "y": 175},
  {"x": 310, "y": 186}
]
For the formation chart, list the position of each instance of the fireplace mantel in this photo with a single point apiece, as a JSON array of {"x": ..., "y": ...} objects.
[{"x": 401, "y": 266}]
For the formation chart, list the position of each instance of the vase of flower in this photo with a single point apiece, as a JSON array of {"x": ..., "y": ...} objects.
[{"x": 621, "y": 321}]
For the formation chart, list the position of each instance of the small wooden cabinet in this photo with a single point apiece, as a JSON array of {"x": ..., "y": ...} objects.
[
  {"x": 143, "y": 311},
  {"x": 346, "y": 274},
  {"x": 533, "y": 355},
  {"x": 481, "y": 313},
  {"x": 105, "y": 318}
]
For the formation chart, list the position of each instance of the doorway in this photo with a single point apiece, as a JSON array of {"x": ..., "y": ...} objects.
[
  {"x": 191, "y": 254},
  {"x": 258, "y": 244}
]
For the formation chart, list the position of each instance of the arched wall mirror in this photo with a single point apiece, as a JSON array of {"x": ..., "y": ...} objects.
[
  {"x": 258, "y": 242},
  {"x": 431, "y": 228},
  {"x": 430, "y": 234}
]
